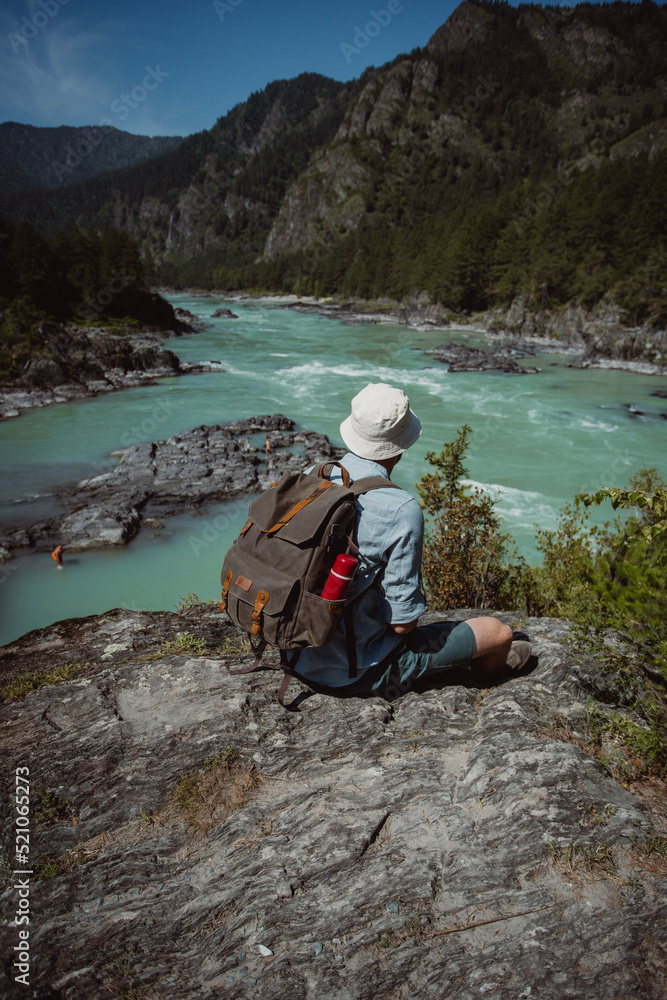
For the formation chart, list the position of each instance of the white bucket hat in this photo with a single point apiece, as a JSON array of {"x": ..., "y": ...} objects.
[{"x": 381, "y": 424}]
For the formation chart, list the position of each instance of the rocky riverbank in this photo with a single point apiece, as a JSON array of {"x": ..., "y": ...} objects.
[
  {"x": 190, "y": 837},
  {"x": 596, "y": 338},
  {"x": 75, "y": 363},
  {"x": 161, "y": 478}
]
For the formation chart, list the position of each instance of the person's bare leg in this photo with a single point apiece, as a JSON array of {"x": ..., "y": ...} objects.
[{"x": 493, "y": 640}]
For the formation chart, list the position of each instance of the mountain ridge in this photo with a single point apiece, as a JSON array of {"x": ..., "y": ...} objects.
[
  {"x": 474, "y": 170},
  {"x": 33, "y": 157}
]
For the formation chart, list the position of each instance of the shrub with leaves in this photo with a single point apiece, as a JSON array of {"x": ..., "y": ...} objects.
[
  {"x": 651, "y": 500},
  {"x": 465, "y": 561}
]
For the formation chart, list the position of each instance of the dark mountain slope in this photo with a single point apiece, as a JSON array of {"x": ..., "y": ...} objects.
[{"x": 53, "y": 157}]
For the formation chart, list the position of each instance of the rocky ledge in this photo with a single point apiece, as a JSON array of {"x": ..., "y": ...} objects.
[
  {"x": 598, "y": 337},
  {"x": 162, "y": 478},
  {"x": 496, "y": 357},
  {"x": 191, "y": 838},
  {"x": 74, "y": 363}
]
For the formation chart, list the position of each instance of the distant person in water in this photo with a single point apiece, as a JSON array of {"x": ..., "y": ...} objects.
[
  {"x": 268, "y": 445},
  {"x": 57, "y": 554}
]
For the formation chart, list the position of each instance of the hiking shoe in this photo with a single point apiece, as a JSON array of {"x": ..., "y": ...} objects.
[{"x": 518, "y": 656}]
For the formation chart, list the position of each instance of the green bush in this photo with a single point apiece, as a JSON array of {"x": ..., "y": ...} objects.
[
  {"x": 608, "y": 577},
  {"x": 466, "y": 555}
]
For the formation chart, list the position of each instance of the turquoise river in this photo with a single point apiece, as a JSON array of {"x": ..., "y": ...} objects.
[{"x": 537, "y": 441}]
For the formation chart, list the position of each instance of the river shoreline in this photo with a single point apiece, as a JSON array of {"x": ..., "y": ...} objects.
[
  {"x": 160, "y": 479},
  {"x": 105, "y": 360},
  {"x": 589, "y": 338},
  {"x": 83, "y": 362}
]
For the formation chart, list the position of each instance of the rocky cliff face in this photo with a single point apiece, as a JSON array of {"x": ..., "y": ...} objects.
[
  {"x": 597, "y": 334},
  {"x": 73, "y": 362},
  {"x": 191, "y": 838},
  {"x": 325, "y": 197}
]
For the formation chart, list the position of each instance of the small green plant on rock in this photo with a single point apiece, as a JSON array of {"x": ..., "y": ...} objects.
[
  {"x": 186, "y": 643},
  {"x": 48, "y": 866},
  {"x": 602, "y": 818},
  {"x": 233, "y": 646},
  {"x": 189, "y": 600},
  {"x": 582, "y": 861},
  {"x": 206, "y": 797},
  {"x": 122, "y": 974},
  {"x": 645, "y": 746},
  {"x": 465, "y": 562},
  {"x": 389, "y": 939},
  {"x": 20, "y": 687},
  {"x": 49, "y": 807}
]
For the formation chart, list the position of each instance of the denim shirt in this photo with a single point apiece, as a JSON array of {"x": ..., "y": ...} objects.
[{"x": 389, "y": 533}]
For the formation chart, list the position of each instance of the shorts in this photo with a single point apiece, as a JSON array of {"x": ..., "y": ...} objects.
[{"x": 429, "y": 651}]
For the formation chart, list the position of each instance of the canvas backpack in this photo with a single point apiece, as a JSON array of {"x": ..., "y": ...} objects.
[{"x": 273, "y": 574}]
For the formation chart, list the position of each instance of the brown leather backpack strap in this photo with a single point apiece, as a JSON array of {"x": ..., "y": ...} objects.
[
  {"x": 323, "y": 471},
  {"x": 225, "y": 589},
  {"x": 260, "y": 600},
  {"x": 256, "y": 663}
]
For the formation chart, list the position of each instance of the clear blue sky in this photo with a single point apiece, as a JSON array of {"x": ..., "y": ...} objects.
[{"x": 79, "y": 62}]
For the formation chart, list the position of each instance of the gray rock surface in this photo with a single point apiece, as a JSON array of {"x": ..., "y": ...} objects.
[
  {"x": 599, "y": 335},
  {"x": 224, "y": 314},
  {"x": 162, "y": 478},
  {"x": 495, "y": 357},
  {"x": 190, "y": 323},
  {"x": 369, "y": 849},
  {"x": 76, "y": 363}
]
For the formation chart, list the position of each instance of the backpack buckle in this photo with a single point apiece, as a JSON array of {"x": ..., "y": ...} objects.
[
  {"x": 260, "y": 600},
  {"x": 225, "y": 590}
]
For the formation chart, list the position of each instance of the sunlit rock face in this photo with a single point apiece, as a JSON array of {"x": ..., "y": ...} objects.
[{"x": 454, "y": 842}]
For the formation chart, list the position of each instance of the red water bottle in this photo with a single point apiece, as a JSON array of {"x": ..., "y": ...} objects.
[{"x": 340, "y": 578}]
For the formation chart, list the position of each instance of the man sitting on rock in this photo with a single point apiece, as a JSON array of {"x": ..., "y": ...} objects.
[{"x": 392, "y": 650}]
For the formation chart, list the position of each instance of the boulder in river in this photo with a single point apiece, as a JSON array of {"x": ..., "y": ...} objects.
[
  {"x": 160, "y": 478},
  {"x": 495, "y": 357}
]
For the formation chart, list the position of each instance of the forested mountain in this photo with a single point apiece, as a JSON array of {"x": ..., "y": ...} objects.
[
  {"x": 33, "y": 157},
  {"x": 520, "y": 153}
]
